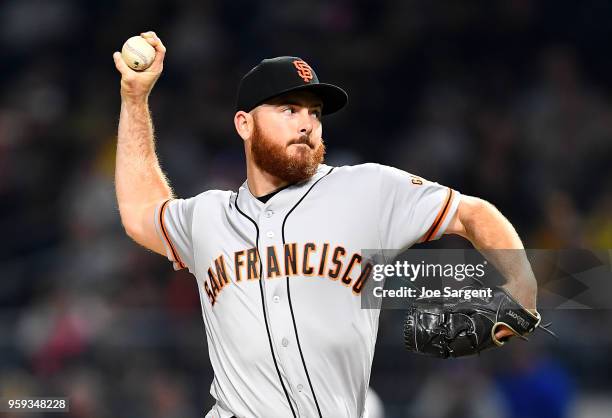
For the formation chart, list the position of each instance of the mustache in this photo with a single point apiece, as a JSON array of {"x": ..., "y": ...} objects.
[{"x": 304, "y": 139}]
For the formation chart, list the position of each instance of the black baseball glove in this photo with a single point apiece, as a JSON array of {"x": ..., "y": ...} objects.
[{"x": 456, "y": 327}]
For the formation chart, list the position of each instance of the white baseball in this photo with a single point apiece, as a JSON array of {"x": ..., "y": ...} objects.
[{"x": 137, "y": 53}]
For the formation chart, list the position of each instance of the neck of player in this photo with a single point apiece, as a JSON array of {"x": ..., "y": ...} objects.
[{"x": 261, "y": 182}]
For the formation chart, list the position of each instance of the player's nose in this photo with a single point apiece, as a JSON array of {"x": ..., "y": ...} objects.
[{"x": 305, "y": 121}]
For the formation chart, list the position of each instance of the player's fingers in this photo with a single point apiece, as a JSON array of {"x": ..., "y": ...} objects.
[
  {"x": 152, "y": 40},
  {"x": 156, "y": 43},
  {"x": 160, "y": 53},
  {"x": 120, "y": 64},
  {"x": 149, "y": 34},
  {"x": 160, "y": 50},
  {"x": 503, "y": 333}
]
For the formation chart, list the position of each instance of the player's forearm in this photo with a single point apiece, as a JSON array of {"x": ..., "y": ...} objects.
[
  {"x": 491, "y": 233},
  {"x": 139, "y": 180}
]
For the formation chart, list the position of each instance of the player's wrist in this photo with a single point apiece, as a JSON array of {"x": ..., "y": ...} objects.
[
  {"x": 524, "y": 292},
  {"x": 131, "y": 99}
]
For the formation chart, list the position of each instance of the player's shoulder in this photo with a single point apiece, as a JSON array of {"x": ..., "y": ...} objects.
[
  {"x": 378, "y": 175},
  {"x": 369, "y": 170},
  {"x": 357, "y": 169},
  {"x": 364, "y": 177},
  {"x": 208, "y": 198}
]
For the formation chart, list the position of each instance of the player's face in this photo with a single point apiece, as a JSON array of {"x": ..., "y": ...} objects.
[{"x": 286, "y": 140}]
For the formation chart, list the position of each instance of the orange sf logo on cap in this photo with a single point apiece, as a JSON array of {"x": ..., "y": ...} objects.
[{"x": 303, "y": 70}]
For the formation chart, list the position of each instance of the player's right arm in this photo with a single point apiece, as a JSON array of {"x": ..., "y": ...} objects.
[{"x": 139, "y": 181}]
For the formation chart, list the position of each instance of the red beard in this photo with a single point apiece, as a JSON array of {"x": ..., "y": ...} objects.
[{"x": 274, "y": 158}]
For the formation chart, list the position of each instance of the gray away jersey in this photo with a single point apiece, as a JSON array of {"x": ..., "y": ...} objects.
[{"x": 280, "y": 283}]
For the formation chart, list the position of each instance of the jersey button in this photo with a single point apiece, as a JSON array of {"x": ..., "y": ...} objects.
[
  {"x": 270, "y": 234},
  {"x": 300, "y": 387},
  {"x": 285, "y": 342},
  {"x": 276, "y": 299},
  {"x": 269, "y": 213}
]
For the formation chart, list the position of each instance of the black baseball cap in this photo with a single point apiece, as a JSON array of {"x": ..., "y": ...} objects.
[{"x": 273, "y": 77}]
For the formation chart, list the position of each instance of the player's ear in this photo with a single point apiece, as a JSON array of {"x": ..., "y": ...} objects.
[{"x": 244, "y": 123}]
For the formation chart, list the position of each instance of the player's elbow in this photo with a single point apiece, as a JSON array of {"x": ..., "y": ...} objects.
[
  {"x": 138, "y": 224},
  {"x": 136, "y": 232},
  {"x": 131, "y": 228},
  {"x": 131, "y": 220}
]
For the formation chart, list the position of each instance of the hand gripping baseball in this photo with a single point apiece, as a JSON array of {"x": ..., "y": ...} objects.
[
  {"x": 456, "y": 327},
  {"x": 138, "y": 84}
]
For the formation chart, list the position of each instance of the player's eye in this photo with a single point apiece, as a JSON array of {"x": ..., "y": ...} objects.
[
  {"x": 288, "y": 110},
  {"x": 317, "y": 113}
]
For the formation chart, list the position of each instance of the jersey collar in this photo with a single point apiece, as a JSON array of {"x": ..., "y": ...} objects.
[{"x": 283, "y": 198}]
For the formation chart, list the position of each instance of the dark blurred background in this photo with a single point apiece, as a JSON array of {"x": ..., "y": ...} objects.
[{"x": 510, "y": 101}]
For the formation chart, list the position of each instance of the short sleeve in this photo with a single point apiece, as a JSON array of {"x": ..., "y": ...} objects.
[
  {"x": 173, "y": 221},
  {"x": 413, "y": 209}
]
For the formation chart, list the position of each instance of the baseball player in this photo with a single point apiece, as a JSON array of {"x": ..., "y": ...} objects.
[{"x": 278, "y": 261}]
